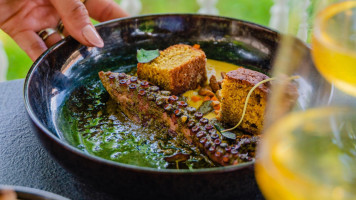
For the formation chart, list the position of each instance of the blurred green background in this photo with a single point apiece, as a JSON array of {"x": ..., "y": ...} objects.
[{"x": 255, "y": 11}]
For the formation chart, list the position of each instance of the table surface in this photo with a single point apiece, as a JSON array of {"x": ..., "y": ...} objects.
[{"x": 23, "y": 160}]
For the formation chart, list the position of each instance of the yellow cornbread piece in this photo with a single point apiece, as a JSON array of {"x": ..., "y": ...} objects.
[
  {"x": 178, "y": 68},
  {"x": 235, "y": 88}
]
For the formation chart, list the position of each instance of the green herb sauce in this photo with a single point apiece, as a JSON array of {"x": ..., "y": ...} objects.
[{"x": 93, "y": 123}]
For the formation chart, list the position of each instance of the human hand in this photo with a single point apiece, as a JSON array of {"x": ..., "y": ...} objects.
[{"x": 23, "y": 19}]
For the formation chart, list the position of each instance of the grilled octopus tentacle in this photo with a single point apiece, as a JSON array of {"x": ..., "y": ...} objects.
[{"x": 147, "y": 104}]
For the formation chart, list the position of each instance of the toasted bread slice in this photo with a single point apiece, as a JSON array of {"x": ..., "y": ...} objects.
[
  {"x": 178, "y": 68},
  {"x": 235, "y": 87}
]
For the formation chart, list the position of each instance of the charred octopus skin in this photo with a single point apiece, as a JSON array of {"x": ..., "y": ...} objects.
[{"x": 146, "y": 104}]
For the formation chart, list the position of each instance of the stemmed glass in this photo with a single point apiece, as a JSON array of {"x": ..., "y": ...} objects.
[{"x": 308, "y": 148}]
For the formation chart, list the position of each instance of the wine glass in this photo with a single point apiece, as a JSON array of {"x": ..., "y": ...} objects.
[
  {"x": 309, "y": 155},
  {"x": 334, "y": 45},
  {"x": 308, "y": 148}
]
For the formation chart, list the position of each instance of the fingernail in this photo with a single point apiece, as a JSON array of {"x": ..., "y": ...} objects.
[{"x": 92, "y": 36}]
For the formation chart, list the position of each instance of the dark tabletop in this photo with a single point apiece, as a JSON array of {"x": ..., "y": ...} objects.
[{"x": 23, "y": 161}]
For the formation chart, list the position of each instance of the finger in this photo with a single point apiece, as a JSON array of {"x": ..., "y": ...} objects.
[
  {"x": 65, "y": 32},
  {"x": 53, "y": 39},
  {"x": 31, "y": 43},
  {"x": 76, "y": 21},
  {"x": 103, "y": 10}
]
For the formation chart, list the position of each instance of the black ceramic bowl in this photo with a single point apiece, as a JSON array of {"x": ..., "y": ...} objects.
[
  {"x": 69, "y": 65},
  {"x": 26, "y": 193}
]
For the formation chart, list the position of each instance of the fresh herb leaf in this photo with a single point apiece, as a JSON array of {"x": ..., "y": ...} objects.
[
  {"x": 206, "y": 107},
  {"x": 218, "y": 128},
  {"x": 229, "y": 135},
  {"x": 145, "y": 56},
  {"x": 226, "y": 134}
]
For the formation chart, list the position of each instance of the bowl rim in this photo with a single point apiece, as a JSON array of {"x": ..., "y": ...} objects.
[
  {"x": 72, "y": 149},
  {"x": 23, "y": 190}
]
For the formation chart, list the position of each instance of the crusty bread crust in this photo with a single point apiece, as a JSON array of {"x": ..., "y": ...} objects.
[
  {"x": 249, "y": 77},
  {"x": 180, "y": 76}
]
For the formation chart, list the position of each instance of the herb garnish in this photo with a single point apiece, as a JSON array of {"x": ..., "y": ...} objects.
[
  {"x": 206, "y": 107},
  {"x": 145, "y": 56},
  {"x": 226, "y": 134}
]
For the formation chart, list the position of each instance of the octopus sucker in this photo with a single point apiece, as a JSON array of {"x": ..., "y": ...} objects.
[{"x": 141, "y": 101}]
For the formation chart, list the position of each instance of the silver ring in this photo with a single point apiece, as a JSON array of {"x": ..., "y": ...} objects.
[{"x": 45, "y": 33}]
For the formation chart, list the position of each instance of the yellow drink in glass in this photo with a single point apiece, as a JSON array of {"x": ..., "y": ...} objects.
[
  {"x": 309, "y": 155},
  {"x": 334, "y": 45}
]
